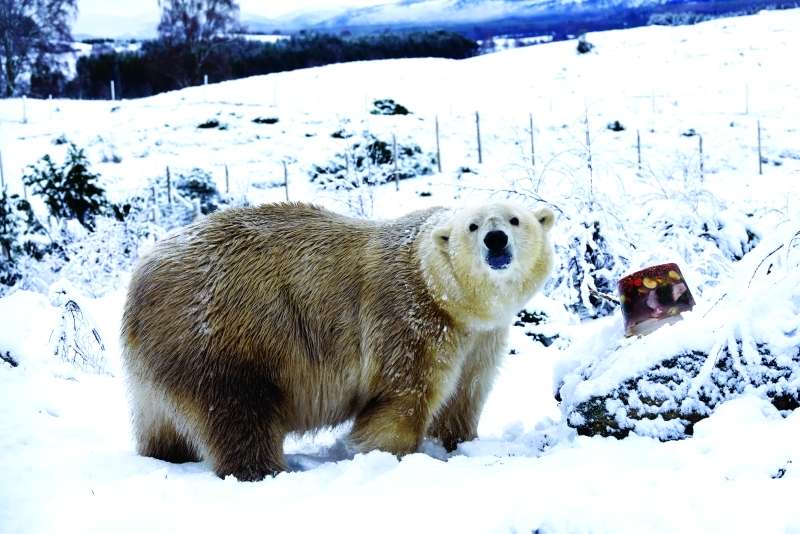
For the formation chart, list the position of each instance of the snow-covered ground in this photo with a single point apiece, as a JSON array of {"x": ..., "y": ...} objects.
[{"x": 66, "y": 455}]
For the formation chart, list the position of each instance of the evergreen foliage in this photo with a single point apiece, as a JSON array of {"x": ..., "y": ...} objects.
[
  {"x": 70, "y": 190},
  {"x": 164, "y": 65},
  {"x": 9, "y": 225}
]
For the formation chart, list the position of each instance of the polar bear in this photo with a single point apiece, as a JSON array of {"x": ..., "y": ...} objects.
[{"x": 256, "y": 322}]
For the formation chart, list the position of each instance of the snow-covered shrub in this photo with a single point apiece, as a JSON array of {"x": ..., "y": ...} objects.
[
  {"x": 95, "y": 259},
  {"x": 24, "y": 241},
  {"x": 366, "y": 163},
  {"x": 387, "y": 106},
  {"x": 8, "y": 358},
  {"x": 615, "y": 126},
  {"x": 733, "y": 234},
  {"x": 370, "y": 161},
  {"x": 591, "y": 258},
  {"x": 584, "y": 46},
  {"x": 266, "y": 120},
  {"x": 535, "y": 325},
  {"x": 210, "y": 124},
  {"x": 99, "y": 260},
  {"x": 681, "y": 215},
  {"x": 341, "y": 133},
  {"x": 662, "y": 384},
  {"x": 10, "y": 223},
  {"x": 70, "y": 190},
  {"x": 75, "y": 339},
  {"x": 199, "y": 185}
]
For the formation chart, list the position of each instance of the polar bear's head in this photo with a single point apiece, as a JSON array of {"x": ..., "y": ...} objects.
[{"x": 484, "y": 263}]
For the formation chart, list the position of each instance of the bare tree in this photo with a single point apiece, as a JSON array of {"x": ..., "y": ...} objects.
[
  {"x": 30, "y": 29},
  {"x": 195, "y": 26}
]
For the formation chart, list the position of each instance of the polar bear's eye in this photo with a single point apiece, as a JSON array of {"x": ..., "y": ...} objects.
[
  {"x": 473, "y": 227},
  {"x": 514, "y": 221}
]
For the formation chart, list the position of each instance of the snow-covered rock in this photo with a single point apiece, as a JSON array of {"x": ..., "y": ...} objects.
[{"x": 748, "y": 341}]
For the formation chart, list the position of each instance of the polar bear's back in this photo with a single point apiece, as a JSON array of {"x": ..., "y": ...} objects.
[{"x": 274, "y": 290}]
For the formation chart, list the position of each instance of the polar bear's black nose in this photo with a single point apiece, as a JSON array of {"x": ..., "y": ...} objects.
[{"x": 496, "y": 240}]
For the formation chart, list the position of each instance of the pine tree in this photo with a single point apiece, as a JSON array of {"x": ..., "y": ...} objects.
[{"x": 69, "y": 191}]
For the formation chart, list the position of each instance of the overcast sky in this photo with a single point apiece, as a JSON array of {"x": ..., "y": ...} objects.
[{"x": 264, "y": 8}]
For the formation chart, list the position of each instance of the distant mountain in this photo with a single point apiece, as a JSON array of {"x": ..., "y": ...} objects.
[{"x": 478, "y": 18}]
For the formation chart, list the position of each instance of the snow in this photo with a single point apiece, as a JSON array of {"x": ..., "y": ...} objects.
[{"x": 67, "y": 458}]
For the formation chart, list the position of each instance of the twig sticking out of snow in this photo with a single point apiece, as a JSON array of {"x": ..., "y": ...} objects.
[
  {"x": 788, "y": 245},
  {"x": 605, "y": 296}
]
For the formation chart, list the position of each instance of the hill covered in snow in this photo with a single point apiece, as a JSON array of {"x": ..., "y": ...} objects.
[{"x": 662, "y": 144}]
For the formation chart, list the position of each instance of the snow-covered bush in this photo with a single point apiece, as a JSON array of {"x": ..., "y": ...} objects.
[
  {"x": 366, "y": 163},
  {"x": 9, "y": 232},
  {"x": 199, "y": 185},
  {"x": 266, "y": 120},
  {"x": 592, "y": 254},
  {"x": 387, "y": 106},
  {"x": 679, "y": 216},
  {"x": 23, "y": 239},
  {"x": 75, "y": 340},
  {"x": 211, "y": 124},
  {"x": 535, "y": 325},
  {"x": 584, "y": 46},
  {"x": 591, "y": 268},
  {"x": 99, "y": 260},
  {"x": 370, "y": 161}
]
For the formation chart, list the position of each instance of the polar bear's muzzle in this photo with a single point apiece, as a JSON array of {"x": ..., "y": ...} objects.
[{"x": 498, "y": 253}]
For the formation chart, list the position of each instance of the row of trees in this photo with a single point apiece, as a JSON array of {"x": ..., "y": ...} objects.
[
  {"x": 33, "y": 33},
  {"x": 196, "y": 38},
  {"x": 164, "y": 65}
]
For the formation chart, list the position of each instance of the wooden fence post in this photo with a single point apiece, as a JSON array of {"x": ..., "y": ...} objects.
[
  {"x": 478, "y": 134},
  {"x": 760, "y": 162},
  {"x": 227, "y": 181},
  {"x": 639, "y": 150},
  {"x": 747, "y": 99},
  {"x": 702, "y": 170},
  {"x": 2, "y": 174},
  {"x": 589, "y": 152},
  {"x": 155, "y": 205},
  {"x": 533, "y": 148},
  {"x": 438, "y": 151},
  {"x": 286, "y": 180},
  {"x": 169, "y": 188},
  {"x": 394, "y": 157}
]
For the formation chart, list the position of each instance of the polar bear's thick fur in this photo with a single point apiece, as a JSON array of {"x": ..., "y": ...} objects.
[{"x": 257, "y": 322}]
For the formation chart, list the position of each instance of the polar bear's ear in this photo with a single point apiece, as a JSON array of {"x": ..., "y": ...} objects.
[
  {"x": 546, "y": 218},
  {"x": 441, "y": 237}
]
